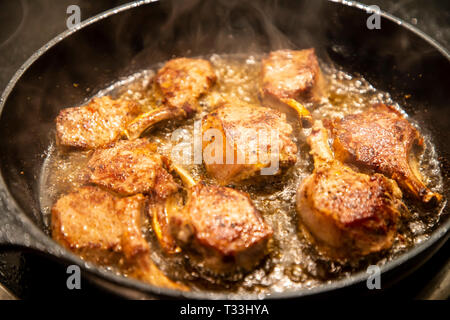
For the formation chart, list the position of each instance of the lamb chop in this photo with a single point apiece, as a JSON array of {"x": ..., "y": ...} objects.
[
  {"x": 347, "y": 213},
  {"x": 180, "y": 82},
  {"x": 96, "y": 124},
  {"x": 290, "y": 78},
  {"x": 218, "y": 227},
  {"x": 131, "y": 167},
  {"x": 244, "y": 140},
  {"x": 382, "y": 139},
  {"x": 106, "y": 230}
]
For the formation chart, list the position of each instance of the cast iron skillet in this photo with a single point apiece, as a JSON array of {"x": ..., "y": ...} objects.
[{"x": 396, "y": 58}]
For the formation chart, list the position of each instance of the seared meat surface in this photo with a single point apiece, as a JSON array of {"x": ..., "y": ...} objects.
[
  {"x": 350, "y": 213},
  {"x": 290, "y": 77},
  {"x": 239, "y": 140},
  {"x": 131, "y": 167},
  {"x": 96, "y": 124},
  {"x": 90, "y": 219},
  {"x": 222, "y": 226},
  {"x": 382, "y": 139},
  {"x": 290, "y": 74},
  {"x": 218, "y": 227},
  {"x": 180, "y": 82},
  {"x": 106, "y": 230}
]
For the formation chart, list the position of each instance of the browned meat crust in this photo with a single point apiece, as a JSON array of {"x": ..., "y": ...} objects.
[
  {"x": 241, "y": 127},
  {"x": 350, "y": 212},
  {"x": 223, "y": 227},
  {"x": 88, "y": 221},
  {"x": 290, "y": 74},
  {"x": 106, "y": 230},
  {"x": 182, "y": 81},
  {"x": 94, "y": 125},
  {"x": 131, "y": 167},
  {"x": 382, "y": 139}
]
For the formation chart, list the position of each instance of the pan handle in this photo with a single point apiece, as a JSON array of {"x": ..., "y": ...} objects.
[{"x": 16, "y": 230}]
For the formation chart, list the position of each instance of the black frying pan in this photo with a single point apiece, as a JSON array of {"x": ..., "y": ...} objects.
[{"x": 396, "y": 58}]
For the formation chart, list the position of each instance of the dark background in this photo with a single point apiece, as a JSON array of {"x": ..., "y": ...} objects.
[{"x": 26, "y": 25}]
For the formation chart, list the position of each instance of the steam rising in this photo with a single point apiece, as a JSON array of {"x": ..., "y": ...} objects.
[{"x": 230, "y": 26}]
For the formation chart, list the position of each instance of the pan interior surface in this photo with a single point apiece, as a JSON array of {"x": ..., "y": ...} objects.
[{"x": 393, "y": 59}]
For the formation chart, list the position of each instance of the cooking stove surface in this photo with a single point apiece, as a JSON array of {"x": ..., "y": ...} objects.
[{"x": 25, "y": 25}]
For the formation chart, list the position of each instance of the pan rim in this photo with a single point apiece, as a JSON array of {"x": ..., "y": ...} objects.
[{"x": 439, "y": 233}]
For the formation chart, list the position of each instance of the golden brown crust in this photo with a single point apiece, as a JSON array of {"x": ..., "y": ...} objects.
[
  {"x": 290, "y": 74},
  {"x": 248, "y": 132},
  {"x": 381, "y": 139},
  {"x": 131, "y": 167},
  {"x": 90, "y": 218},
  {"x": 94, "y": 125},
  {"x": 106, "y": 230},
  {"x": 182, "y": 81},
  {"x": 222, "y": 225},
  {"x": 353, "y": 213}
]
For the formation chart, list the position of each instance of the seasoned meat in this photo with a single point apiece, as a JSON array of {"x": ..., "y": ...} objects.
[
  {"x": 239, "y": 140},
  {"x": 222, "y": 227},
  {"x": 131, "y": 167},
  {"x": 290, "y": 74},
  {"x": 382, "y": 139},
  {"x": 348, "y": 212},
  {"x": 96, "y": 124},
  {"x": 180, "y": 82},
  {"x": 290, "y": 78},
  {"x": 88, "y": 220},
  {"x": 219, "y": 228},
  {"x": 106, "y": 230}
]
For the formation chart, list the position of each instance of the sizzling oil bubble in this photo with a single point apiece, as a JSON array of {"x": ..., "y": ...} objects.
[{"x": 293, "y": 262}]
